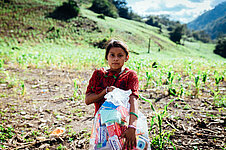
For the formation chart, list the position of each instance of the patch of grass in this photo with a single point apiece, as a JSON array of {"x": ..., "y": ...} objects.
[
  {"x": 61, "y": 147},
  {"x": 6, "y": 133}
]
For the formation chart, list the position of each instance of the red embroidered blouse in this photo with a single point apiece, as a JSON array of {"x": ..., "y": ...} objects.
[{"x": 102, "y": 78}]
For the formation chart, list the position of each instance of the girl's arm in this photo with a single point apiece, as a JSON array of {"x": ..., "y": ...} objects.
[
  {"x": 130, "y": 133},
  {"x": 134, "y": 109},
  {"x": 93, "y": 98}
]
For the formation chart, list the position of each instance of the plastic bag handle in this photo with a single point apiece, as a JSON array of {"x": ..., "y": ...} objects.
[{"x": 117, "y": 78}]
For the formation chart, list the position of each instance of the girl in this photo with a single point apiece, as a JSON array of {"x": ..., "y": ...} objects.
[{"x": 104, "y": 81}]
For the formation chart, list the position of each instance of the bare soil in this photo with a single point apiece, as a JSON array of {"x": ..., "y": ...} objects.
[{"x": 49, "y": 102}]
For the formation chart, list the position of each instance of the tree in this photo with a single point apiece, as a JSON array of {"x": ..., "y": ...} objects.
[
  {"x": 177, "y": 33},
  {"x": 123, "y": 10},
  {"x": 124, "y": 13},
  {"x": 134, "y": 16},
  {"x": 67, "y": 11},
  {"x": 153, "y": 21},
  {"x": 105, "y": 7},
  {"x": 201, "y": 36},
  {"x": 220, "y": 48},
  {"x": 119, "y": 3}
]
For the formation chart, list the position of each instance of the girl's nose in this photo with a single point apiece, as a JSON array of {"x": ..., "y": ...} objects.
[{"x": 116, "y": 58}]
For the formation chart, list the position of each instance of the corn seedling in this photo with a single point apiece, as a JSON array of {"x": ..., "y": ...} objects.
[
  {"x": 138, "y": 66},
  {"x": 111, "y": 31},
  {"x": 181, "y": 92},
  {"x": 23, "y": 88},
  {"x": 61, "y": 147},
  {"x": 1, "y": 64},
  {"x": 160, "y": 78},
  {"x": 179, "y": 77},
  {"x": 204, "y": 77},
  {"x": 172, "y": 91},
  {"x": 218, "y": 78},
  {"x": 162, "y": 137},
  {"x": 148, "y": 77},
  {"x": 75, "y": 89},
  {"x": 218, "y": 99},
  {"x": 170, "y": 77},
  {"x": 187, "y": 107},
  {"x": 196, "y": 78}
]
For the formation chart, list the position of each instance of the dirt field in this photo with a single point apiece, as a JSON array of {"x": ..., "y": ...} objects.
[{"x": 48, "y": 102}]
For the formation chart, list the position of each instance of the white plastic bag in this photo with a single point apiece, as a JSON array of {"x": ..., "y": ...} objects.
[
  {"x": 114, "y": 115},
  {"x": 119, "y": 97}
]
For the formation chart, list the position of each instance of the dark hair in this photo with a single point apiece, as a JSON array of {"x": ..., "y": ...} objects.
[{"x": 116, "y": 43}]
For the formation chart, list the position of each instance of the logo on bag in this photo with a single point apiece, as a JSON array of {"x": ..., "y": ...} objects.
[{"x": 115, "y": 144}]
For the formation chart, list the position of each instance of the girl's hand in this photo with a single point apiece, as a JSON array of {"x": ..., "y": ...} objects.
[
  {"x": 111, "y": 88},
  {"x": 130, "y": 136}
]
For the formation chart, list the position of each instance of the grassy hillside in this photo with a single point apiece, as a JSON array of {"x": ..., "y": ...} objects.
[{"x": 28, "y": 22}]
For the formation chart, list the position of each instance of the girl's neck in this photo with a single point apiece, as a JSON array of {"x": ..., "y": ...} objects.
[{"x": 118, "y": 70}]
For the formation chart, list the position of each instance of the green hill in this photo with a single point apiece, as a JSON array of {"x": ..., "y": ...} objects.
[
  {"x": 212, "y": 21},
  {"x": 23, "y": 22}
]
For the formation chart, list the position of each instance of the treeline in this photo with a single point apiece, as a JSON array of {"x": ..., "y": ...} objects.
[
  {"x": 119, "y": 8},
  {"x": 220, "y": 47},
  {"x": 177, "y": 31},
  {"x": 114, "y": 8}
]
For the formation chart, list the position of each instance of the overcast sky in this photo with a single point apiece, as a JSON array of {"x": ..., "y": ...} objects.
[{"x": 181, "y": 10}]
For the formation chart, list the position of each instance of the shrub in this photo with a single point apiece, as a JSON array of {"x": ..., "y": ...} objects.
[
  {"x": 125, "y": 11},
  {"x": 201, "y": 36},
  {"x": 176, "y": 34},
  {"x": 68, "y": 10},
  {"x": 101, "y": 16},
  {"x": 220, "y": 47},
  {"x": 101, "y": 44},
  {"x": 152, "y": 21},
  {"x": 104, "y": 7}
]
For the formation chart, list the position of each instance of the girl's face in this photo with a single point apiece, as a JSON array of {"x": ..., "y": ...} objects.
[{"x": 116, "y": 58}]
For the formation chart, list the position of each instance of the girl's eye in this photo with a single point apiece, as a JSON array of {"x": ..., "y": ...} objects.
[
  {"x": 112, "y": 55},
  {"x": 120, "y": 55}
]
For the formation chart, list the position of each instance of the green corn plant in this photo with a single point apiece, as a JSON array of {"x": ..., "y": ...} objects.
[
  {"x": 61, "y": 147},
  {"x": 1, "y": 64},
  {"x": 160, "y": 78},
  {"x": 181, "y": 91},
  {"x": 170, "y": 77},
  {"x": 162, "y": 137},
  {"x": 148, "y": 77},
  {"x": 111, "y": 31},
  {"x": 219, "y": 100},
  {"x": 23, "y": 88},
  {"x": 196, "y": 79},
  {"x": 75, "y": 89},
  {"x": 138, "y": 66},
  {"x": 172, "y": 91},
  {"x": 179, "y": 77},
  {"x": 204, "y": 77},
  {"x": 218, "y": 78}
]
